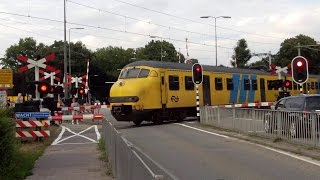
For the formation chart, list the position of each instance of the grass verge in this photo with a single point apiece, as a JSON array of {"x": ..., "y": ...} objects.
[
  {"x": 24, "y": 157},
  {"x": 104, "y": 156}
]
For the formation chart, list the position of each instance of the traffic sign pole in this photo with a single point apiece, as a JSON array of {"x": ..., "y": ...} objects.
[{"x": 36, "y": 75}]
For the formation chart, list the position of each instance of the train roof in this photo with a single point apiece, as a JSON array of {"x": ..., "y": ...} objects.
[{"x": 183, "y": 66}]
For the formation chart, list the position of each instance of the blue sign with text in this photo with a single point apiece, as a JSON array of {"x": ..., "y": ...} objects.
[{"x": 22, "y": 115}]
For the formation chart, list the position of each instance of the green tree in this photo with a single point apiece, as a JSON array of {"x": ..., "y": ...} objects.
[
  {"x": 152, "y": 51},
  {"x": 27, "y": 47},
  {"x": 241, "y": 54},
  {"x": 111, "y": 59},
  {"x": 288, "y": 50}
]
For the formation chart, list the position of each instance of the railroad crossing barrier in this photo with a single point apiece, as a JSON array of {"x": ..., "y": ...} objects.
[
  {"x": 23, "y": 127},
  {"x": 125, "y": 158},
  {"x": 93, "y": 108},
  {"x": 294, "y": 126},
  {"x": 72, "y": 118}
]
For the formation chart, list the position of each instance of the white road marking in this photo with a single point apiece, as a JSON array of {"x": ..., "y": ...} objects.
[
  {"x": 58, "y": 141},
  {"x": 97, "y": 132},
  {"x": 205, "y": 131},
  {"x": 60, "y": 135},
  {"x": 299, "y": 157},
  {"x": 75, "y": 143}
]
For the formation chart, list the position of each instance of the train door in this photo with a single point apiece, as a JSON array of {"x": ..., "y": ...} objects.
[
  {"x": 163, "y": 85},
  {"x": 206, "y": 90},
  {"x": 262, "y": 90}
]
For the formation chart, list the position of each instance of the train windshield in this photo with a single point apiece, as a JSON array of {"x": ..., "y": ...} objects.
[{"x": 134, "y": 73}]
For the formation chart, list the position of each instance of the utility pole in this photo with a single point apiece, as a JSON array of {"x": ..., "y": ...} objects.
[{"x": 65, "y": 53}]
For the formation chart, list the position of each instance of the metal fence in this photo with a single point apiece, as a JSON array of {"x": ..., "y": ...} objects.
[
  {"x": 125, "y": 161},
  {"x": 297, "y": 127}
]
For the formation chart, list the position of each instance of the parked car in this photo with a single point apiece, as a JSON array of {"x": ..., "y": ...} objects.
[{"x": 295, "y": 113}]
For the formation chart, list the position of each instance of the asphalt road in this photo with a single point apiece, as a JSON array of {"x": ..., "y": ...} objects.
[{"x": 186, "y": 153}]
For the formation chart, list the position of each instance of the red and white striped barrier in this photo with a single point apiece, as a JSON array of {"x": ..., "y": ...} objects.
[
  {"x": 260, "y": 104},
  {"x": 42, "y": 133},
  {"x": 82, "y": 108},
  {"x": 23, "y": 124},
  {"x": 77, "y": 117}
]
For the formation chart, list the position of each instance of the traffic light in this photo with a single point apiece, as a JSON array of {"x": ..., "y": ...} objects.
[
  {"x": 288, "y": 84},
  {"x": 299, "y": 67},
  {"x": 197, "y": 73},
  {"x": 81, "y": 91},
  {"x": 44, "y": 88}
]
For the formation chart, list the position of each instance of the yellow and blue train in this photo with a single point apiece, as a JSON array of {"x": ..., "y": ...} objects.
[{"x": 154, "y": 90}]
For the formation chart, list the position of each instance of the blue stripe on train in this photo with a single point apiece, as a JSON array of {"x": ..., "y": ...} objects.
[
  {"x": 243, "y": 93},
  {"x": 251, "y": 91},
  {"x": 234, "y": 92}
]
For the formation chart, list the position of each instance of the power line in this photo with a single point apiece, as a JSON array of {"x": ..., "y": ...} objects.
[
  {"x": 161, "y": 25},
  {"x": 109, "y": 29},
  {"x": 167, "y": 14}
]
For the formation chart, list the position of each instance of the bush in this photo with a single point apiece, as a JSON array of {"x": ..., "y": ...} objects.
[{"x": 7, "y": 144}]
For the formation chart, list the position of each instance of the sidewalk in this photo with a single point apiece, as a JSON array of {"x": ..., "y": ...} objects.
[{"x": 70, "y": 161}]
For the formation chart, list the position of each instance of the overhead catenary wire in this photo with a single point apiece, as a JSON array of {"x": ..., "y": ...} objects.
[
  {"x": 110, "y": 29},
  {"x": 190, "y": 20},
  {"x": 161, "y": 25}
]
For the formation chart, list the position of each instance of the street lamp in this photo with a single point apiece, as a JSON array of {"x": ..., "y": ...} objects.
[
  {"x": 160, "y": 44},
  {"x": 215, "y": 31},
  {"x": 70, "y": 51}
]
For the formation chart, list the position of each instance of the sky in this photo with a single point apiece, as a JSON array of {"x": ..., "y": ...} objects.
[{"x": 130, "y": 23}]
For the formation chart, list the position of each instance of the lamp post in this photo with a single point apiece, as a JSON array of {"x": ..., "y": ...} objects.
[
  {"x": 215, "y": 31},
  {"x": 160, "y": 44},
  {"x": 70, "y": 51}
]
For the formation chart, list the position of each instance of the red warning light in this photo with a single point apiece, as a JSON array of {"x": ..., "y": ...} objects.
[
  {"x": 299, "y": 63},
  {"x": 198, "y": 69}
]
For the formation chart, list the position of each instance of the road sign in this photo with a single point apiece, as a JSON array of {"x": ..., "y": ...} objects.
[
  {"x": 21, "y": 115},
  {"x": 6, "y": 79}
]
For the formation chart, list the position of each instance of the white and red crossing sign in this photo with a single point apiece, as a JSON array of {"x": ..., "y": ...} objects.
[
  {"x": 51, "y": 75},
  {"x": 77, "y": 80},
  {"x": 278, "y": 69},
  {"x": 36, "y": 63}
]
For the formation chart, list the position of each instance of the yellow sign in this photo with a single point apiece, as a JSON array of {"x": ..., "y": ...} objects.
[{"x": 6, "y": 79}]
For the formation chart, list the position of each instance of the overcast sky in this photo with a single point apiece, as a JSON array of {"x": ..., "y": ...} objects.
[{"x": 129, "y": 23}]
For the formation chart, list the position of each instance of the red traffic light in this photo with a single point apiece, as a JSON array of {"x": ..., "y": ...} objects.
[
  {"x": 299, "y": 63},
  {"x": 81, "y": 91},
  {"x": 299, "y": 69},
  {"x": 44, "y": 87},
  {"x": 287, "y": 84},
  {"x": 197, "y": 73}
]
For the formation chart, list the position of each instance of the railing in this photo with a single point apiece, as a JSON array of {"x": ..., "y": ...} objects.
[
  {"x": 297, "y": 127},
  {"x": 123, "y": 156}
]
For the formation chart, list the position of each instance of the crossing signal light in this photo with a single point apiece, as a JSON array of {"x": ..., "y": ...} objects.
[
  {"x": 299, "y": 67},
  {"x": 81, "y": 91},
  {"x": 197, "y": 75},
  {"x": 44, "y": 88},
  {"x": 288, "y": 84}
]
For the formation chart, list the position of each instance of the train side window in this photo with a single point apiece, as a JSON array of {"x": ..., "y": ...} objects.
[
  {"x": 143, "y": 73},
  {"x": 316, "y": 85},
  {"x": 270, "y": 84},
  {"x": 173, "y": 82},
  {"x": 254, "y": 84},
  {"x": 308, "y": 85},
  {"x": 312, "y": 85},
  {"x": 246, "y": 84},
  {"x": 229, "y": 84},
  {"x": 218, "y": 83},
  {"x": 189, "y": 85},
  {"x": 162, "y": 80}
]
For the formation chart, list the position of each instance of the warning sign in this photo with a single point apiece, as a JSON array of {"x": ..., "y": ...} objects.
[{"x": 6, "y": 79}]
